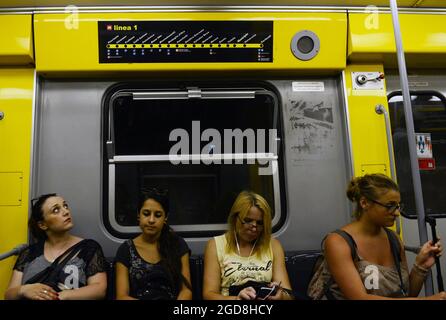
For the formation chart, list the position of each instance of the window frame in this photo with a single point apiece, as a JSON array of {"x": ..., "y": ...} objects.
[{"x": 110, "y": 160}]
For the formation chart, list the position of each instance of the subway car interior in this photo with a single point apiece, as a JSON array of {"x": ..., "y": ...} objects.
[{"x": 101, "y": 99}]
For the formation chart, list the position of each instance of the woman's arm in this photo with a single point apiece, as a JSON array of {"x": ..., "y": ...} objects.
[
  {"x": 416, "y": 280},
  {"x": 423, "y": 262},
  {"x": 185, "y": 293},
  {"x": 280, "y": 274},
  {"x": 35, "y": 291},
  {"x": 13, "y": 291},
  {"x": 122, "y": 282},
  {"x": 211, "y": 276},
  {"x": 340, "y": 263},
  {"x": 95, "y": 289}
]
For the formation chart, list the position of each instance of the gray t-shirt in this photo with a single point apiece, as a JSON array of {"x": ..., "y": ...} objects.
[{"x": 73, "y": 275}]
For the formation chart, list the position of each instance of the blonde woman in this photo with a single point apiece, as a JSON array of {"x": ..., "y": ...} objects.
[{"x": 245, "y": 263}]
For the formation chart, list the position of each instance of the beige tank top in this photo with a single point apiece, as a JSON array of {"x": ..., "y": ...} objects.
[
  {"x": 237, "y": 270},
  {"x": 377, "y": 279},
  {"x": 386, "y": 285}
]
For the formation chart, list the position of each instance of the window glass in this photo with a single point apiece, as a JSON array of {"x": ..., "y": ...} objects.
[
  {"x": 198, "y": 194},
  {"x": 144, "y": 126},
  {"x": 429, "y": 115}
]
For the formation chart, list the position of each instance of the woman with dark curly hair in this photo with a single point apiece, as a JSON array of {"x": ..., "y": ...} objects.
[{"x": 155, "y": 264}]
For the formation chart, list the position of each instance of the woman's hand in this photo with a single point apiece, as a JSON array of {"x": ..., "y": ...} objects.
[
  {"x": 279, "y": 293},
  {"x": 248, "y": 293},
  {"x": 428, "y": 252},
  {"x": 38, "y": 291}
]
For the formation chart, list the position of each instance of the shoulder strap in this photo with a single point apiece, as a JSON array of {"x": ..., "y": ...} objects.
[
  {"x": 63, "y": 259},
  {"x": 395, "y": 247},
  {"x": 353, "y": 249},
  {"x": 350, "y": 241},
  {"x": 53, "y": 270}
]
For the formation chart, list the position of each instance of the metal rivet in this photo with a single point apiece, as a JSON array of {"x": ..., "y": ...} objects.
[{"x": 379, "y": 109}]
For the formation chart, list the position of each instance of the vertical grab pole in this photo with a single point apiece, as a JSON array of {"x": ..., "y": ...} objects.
[
  {"x": 380, "y": 109},
  {"x": 422, "y": 229},
  {"x": 433, "y": 224}
]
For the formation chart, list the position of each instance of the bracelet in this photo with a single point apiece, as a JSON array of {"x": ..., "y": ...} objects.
[{"x": 420, "y": 270}]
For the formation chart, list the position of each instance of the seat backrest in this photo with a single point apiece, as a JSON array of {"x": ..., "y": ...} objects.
[
  {"x": 196, "y": 276},
  {"x": 300, "y": 266},
  {"x": 110, "y": 268}
]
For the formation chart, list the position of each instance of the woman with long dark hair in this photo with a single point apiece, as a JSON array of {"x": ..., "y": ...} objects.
[
  {"x": 59, "y": 265},
  {"x": 155, "y": 264}
]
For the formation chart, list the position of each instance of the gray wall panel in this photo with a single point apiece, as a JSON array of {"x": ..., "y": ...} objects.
[{"x": 68, "y": 160}]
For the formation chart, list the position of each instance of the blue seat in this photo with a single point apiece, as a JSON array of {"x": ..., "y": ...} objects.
[{"x": 300, "y": 265}]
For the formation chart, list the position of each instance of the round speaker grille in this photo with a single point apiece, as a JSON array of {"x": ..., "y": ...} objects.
[{"x": 305, "y": 45}]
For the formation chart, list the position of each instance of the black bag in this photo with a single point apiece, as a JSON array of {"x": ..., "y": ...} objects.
[{"x": 50, "y": 275}]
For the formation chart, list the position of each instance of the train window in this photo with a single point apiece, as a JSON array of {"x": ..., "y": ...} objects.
[
  {"x": 203, "y": 145},
  {"x": 429, "y": 115}
]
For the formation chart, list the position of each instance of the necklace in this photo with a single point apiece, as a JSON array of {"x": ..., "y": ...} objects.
[{"x": 238, "y": 246}]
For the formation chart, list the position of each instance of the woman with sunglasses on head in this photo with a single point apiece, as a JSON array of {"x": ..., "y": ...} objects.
[
  {"x": 244, "y": 259},
  {"x": 59, "y": 266},
  {"x": 155, "y": 264},
  {"x": 365, "y": 260}
]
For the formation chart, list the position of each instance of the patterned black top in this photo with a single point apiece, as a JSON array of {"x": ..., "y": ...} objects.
[
  {"x": 148, "y": 281},
  {"x": 75, "y": 273}
]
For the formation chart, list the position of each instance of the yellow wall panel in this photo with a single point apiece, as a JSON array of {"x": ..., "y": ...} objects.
[
  {"x": 16, "y": 100},
  {"x": 371, "y": 38},
  {"x": 16, "y": 40},
  {"x": 64, "y": 44},
  {"x": 11, "y": 188},
  {"x": 368, "y": 130}
]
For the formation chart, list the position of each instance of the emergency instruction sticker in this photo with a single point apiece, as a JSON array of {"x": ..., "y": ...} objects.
[
  {"x": 424, "y": 145},
  {"x": 305, "y": 86},
  {"x": 424, "y": 151}
]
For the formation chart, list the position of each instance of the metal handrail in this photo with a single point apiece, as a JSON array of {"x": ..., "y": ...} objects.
[
  {"x": 14, "y": 252},
  {"x": 414, "y": 250},
  {"x": 380, "y": 109}
]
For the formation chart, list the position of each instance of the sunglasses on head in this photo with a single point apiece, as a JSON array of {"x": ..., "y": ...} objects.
[{"x": 43, "y": 196}]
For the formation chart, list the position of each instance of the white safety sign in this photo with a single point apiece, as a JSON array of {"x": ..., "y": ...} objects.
[{"x": 424, "y": 145}]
